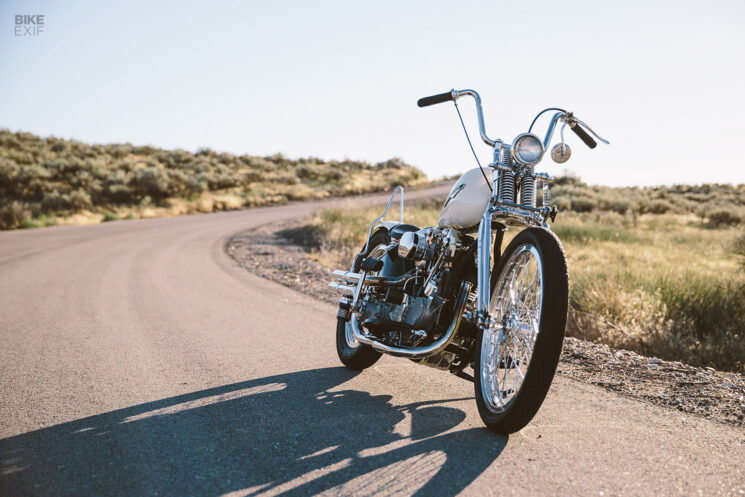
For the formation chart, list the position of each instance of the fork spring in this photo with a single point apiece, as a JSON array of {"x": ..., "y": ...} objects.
[
  {"x": 527, "y": 189},
  {"x": 507, "y": 178}
]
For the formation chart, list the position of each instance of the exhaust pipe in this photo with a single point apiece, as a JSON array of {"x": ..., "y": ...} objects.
[
  {"x": 343, "y": 289},
  {"x": 416, "y": 352},
  {"x": 387, "y": 281}
]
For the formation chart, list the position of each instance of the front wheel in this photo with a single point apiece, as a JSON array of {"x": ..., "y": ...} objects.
[{"x": 517, "y": 358}]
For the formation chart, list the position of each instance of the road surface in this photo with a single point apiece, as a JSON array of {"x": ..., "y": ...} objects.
[{"x": 139, "y": 359}]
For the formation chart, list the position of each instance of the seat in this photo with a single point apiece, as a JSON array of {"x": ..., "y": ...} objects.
[{"x": 400, "y": 229}]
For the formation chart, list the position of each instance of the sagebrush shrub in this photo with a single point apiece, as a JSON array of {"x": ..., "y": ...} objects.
[
  {"x": 64, "y": 176},
  {"x": 738, "y": 248},
  {"x": 583, "y": 204},
  {"x": 724, "y": 217},
  {"x": 71, "y": 202},
  {"x": 657, "y": 207},
  {"x": 13, "y": 215}
]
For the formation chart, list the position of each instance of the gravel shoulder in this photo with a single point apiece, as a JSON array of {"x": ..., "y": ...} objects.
[{"x": 281, "y": 253}]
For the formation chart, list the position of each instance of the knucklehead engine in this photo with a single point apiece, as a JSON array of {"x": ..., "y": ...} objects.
[{"x": 415, "y": 308}]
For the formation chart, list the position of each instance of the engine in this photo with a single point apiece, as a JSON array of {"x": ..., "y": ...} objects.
[{"x": 415, "y": 307}]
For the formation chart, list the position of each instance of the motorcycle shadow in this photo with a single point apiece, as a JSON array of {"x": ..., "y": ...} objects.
[{"x": 289, "y": 434}]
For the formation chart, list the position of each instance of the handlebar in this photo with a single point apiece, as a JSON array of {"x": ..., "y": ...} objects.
[
  {"x": 575, "y": 125},
  {"x": 566, "y": 117},
  {"x": 583, "y": 135},
  {"x": 455, "y": 95},
  {"x": 435, "y": 99}
]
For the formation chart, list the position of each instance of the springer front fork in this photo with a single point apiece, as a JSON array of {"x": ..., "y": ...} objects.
[{"x": 483, "y": 264}]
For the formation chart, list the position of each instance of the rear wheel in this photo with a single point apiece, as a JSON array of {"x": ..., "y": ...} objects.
[
  {"x": 516, "y": 360},
  {"x": 353, "y": 354}
]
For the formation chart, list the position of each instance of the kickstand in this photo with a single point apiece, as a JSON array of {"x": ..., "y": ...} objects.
[{"x": 462, "y": 374}]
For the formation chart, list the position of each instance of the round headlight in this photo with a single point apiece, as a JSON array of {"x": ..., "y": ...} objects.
[{"x": 527, "y": 149}]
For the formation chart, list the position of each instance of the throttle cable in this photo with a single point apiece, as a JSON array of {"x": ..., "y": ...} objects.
[
  {"x": 471, "y": 145},
  {"x": 541, "y": 112}
]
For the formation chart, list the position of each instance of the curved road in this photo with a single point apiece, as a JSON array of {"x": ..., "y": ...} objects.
[{"x": 138, "y": 359}]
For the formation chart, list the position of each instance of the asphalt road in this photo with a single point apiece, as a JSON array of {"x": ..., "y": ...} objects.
[{"x": 138, "y": 359}]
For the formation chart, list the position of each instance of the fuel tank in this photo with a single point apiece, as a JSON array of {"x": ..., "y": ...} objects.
[{"x": 466, "y": 202}]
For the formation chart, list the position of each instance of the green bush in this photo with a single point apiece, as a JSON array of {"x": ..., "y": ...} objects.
[{"x": 109, "y": 216}]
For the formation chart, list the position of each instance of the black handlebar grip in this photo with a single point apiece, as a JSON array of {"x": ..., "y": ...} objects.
[
  {"x": 435, "y": 99},
  {"x": 584, "y": 136}
]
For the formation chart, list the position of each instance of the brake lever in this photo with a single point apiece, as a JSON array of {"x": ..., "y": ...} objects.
[{"x": 591, "y": 130}]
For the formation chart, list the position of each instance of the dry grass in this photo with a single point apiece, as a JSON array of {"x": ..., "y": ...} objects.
[
  {"x": 341, "y": 231},
  {"x": 668, "y": 287}
]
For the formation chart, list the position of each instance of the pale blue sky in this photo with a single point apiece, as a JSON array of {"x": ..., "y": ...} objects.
[{"x": 663, "y": 81}]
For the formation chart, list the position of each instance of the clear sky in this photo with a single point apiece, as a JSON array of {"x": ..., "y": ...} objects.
[{"x": 663, "y": 81}]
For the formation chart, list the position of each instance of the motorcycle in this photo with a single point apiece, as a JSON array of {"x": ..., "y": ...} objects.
[{"x": 449, "y": 297}]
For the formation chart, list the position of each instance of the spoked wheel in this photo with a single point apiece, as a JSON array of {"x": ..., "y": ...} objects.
[
  {"x": 353, "y": 354},
  {"x": 517, "y": 358}
]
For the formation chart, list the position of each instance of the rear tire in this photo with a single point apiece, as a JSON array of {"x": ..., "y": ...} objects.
[
  {"x": 515, "y": 367},
  {"x": 357, "y": 356},
  {"x": 353, "y": 354}
]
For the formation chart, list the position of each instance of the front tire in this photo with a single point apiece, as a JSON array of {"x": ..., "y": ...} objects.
[{"x": 515, "y": 365}]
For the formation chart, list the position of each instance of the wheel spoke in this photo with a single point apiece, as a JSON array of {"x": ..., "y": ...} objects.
[{"x": 516, "y": 304}]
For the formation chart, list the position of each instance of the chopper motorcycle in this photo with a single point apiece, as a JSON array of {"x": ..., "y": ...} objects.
[{"x": 449, "y": 297}]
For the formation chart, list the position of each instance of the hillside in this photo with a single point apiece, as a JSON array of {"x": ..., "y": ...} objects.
[
  {"x": 50, "y": 180},
  {"x": 715, "y": 203}
]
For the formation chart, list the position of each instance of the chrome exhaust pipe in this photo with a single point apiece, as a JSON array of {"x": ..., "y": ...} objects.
[
  {"x": 342, "y": 288},
  {"x": 372, "y": 280},
  {"x": 416, "y": 352},
  {"x": 347, "y": 275}
]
